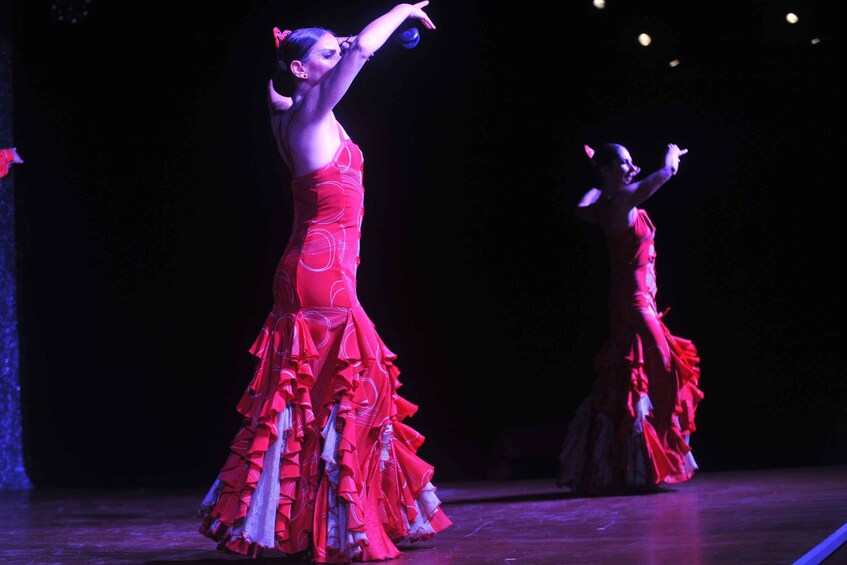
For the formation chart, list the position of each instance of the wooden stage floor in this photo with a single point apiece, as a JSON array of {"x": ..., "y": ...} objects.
[{"x": 790, "y": 516}]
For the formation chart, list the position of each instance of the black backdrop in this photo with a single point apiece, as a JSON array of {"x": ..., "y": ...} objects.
[{"x": 152, "y": 209}]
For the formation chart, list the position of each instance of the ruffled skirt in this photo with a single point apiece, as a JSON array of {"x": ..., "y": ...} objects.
[
  {"x": 323, "y": 464},
  {"x": 632, "y": 434}
]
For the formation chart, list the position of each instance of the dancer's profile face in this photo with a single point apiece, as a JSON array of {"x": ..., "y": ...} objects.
[
  {"x": 323, "y": 56},
  {"x": 625, "y": 169}
]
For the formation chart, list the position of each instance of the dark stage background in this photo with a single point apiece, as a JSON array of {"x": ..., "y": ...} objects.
[{"x": 152, "y": 208}]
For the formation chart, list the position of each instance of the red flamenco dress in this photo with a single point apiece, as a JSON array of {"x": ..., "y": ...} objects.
[
  {"x": 631, "y": 434},
  {"x": 323, "y": 464}
]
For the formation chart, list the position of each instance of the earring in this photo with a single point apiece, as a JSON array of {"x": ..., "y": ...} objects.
[{"x": 305, "y": 76}]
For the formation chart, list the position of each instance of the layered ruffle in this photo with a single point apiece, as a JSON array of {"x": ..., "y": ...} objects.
[
  {"x": 323, "y": 463},
  {"x": 631, "y": 433}
]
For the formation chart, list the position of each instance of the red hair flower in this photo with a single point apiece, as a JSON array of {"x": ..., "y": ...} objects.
[{"x": 279, "y": 36}]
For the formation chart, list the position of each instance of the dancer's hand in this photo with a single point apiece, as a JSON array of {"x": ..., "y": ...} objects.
[
  {"x": 672, "y": 156},
  {"x": 418, "y": 14}
]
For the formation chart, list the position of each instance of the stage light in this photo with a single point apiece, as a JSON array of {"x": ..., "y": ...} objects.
[{"x": 644, "y": 39}]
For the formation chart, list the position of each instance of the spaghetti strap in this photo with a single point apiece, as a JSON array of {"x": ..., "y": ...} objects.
[{"x": 342, "y": 139}]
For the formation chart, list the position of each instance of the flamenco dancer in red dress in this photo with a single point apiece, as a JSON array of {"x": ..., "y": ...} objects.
[
  {"x": 632, "y": 432},
  {"x": 323, "y": 464}
]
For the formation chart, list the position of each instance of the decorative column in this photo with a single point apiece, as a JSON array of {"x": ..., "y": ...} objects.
[{"x": 12, "y": 472}]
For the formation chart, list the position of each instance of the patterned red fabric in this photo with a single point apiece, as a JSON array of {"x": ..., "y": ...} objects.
[
  {"x": 321, "y": 363},
  {"x": 641, "y": 369}
]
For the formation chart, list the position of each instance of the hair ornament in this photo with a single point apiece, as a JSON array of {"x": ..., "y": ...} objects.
[{"x": 279, "y": 36}]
